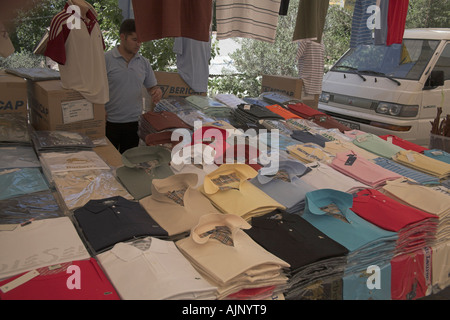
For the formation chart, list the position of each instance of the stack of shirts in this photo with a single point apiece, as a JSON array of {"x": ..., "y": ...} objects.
[
  {"x": 277, "y": 98},
  {"x": 229, "y": 189},
  {"x": 407, "y": 172},
  {"x": 309, "y": 152},
  {"x": 376, "y": 145},
  {"x": 18, "y": 157},
  {"x": 416, "y": 228},
  {"x": 210, "y": 107},
  {"x": 316, "y": 261},
  {"x": 285, "y": 186},
  {"x": 57, "y": 251},
  {"x": 285, "y": 113},
  {"x": 153, "y": 124},
  {"x": 434, "y": 202},
  {"x": 229, "y": 99},
  {"x": 176, "y": 204},
  {"x": 322, "y": 176},
  {"x": 153, "y": 269},
  {"x": 105, "y": 222},
  {"x": 330, "y": 211},
  {"x": 218, "y": 239},
  {"x": 183, "y": 109},
  {"x": 362, "y": 169},
  {"x": 21, "y": 181},
  {"x": 142, "y": 164},
  {"x": 60, "y": 141},
  {"x": 423, "y": 163},
  {"x": 437, "y": 154},
  {"x": 308, "y": 137},
  {"x": 251, "y": 113},
  {"x": 337, "y": 146},
  {"x": 14, "y": 129}
]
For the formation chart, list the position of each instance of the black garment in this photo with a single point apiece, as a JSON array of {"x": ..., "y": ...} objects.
[
  {"x": 308, "y": 137},
  {"x": 123, "y": 136},
  {"x": 284, "y": 6},
  {"x": 105, "y": 222}
]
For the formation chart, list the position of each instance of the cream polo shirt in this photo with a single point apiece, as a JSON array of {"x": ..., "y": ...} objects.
[
  {"x": 70, "y": 161},
  {"x": 230, "y": 191},
  {"x": 423, "y": 163},
  {"x": 153, "y": 269},
  {"x": 309, "y": 152},
  {"x": 212, "y": 253},
  {"x": 336, "y": 146},
  {"x": 176, "y": 204}
]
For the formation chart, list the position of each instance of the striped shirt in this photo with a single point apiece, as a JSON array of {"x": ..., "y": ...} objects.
[
  {"x": 361, "y": 34},
  {"x": 310, "y": 62},
  {"x": 255, "y": 19}
]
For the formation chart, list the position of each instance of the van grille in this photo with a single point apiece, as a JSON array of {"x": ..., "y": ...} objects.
[{"x": 353, "y": 101}]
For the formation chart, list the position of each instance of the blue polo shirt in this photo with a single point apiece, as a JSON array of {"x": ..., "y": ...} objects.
[{"x": 125, "y": 86}]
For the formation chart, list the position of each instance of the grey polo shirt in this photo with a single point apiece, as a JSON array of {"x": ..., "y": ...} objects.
[{"x": 125, "y": 86}]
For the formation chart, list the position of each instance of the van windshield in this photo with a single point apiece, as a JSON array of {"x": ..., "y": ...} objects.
[{"x": 404, "y": 61}]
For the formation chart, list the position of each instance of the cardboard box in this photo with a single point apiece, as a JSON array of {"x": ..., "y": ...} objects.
[
  {"x": 55, "y": 108},
  {"x": 13, "y": 94},
  {"x": 289, "y": 86},
  {"x": 172, "y": 84}
]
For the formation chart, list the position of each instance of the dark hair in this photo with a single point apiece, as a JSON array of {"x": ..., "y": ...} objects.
[{"x": 127, "y": 27}]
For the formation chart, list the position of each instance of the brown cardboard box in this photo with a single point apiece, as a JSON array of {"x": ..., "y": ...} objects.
[
  {"x": 55, "y": 108},
  {"x": 172, "y": 84},
  {"x": 13, "y": 94},
  {"x": 289, "y": 86}
]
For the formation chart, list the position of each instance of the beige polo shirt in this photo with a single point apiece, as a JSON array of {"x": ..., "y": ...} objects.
[{"x": 176, "y": 204}]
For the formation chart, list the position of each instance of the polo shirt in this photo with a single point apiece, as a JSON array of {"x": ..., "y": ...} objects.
[
  {"x": 345, "y": 226},
  {"x": 286, "y": 185},
  {"x": 76, "y": 188},
  {"x": 308, "y": 137},
  {"x": 163, "y": 120},
  {"x": 440, "y": 266},
  {"x": 310, "y": 152},
  {"x": 176, "y": 204},
  {"x": 218, "y": 239},
  {"x": 375, "y": 144},
  {"x": 71, "y": 161},
  {"x": 21, "y": 181},
  {"x": 437, "y": 154},
  {"x": 230, "y": 191},
  {"x": 59, "y": 140},
  {"x": 362, "y": 169},
  {"x": 407, "y": 172},
  {"x": 18, "y": 157},
  {"x": 125, "y": 82},
  {"x": 153, "y": 269},
  {"x": 105, "y": 222},
  {"x": 336, "y": 146},
  {"x": 142, "y": 164},
  {"x": 293, "y": 239},
  {"x": 79, "y": 53},
  {"x": 285, "y": 113},
  {"x": 322, "y": 176},
  {"x": 407, "y": 145},
  {"x": 423, "y": 163},
  {"x": 38, "y": 244},
  {"x": 51, "y": 283}
]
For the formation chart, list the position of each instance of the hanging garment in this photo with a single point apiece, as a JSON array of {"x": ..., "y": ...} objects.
[
  {"x": 254, "y": 19},
  {"x": 157, "y": 19},
  {"x": 310, "y": 62},
  {"x": 6, "y": 46},
  {"x": 284, "y": 7},
  {"x": 361, "y": 33},
  {"x": 193, "y": 62},
  {"x": 396, "y": 21},
  {"x": 310, "y": 20},
  {"x": 381, "y": 32},
  {"x": 76, "y": 44}
]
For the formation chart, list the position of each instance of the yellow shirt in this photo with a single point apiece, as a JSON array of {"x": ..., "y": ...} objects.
[
  {"x": 423, "y": 163},
  {"x": 230, "y": 191}
]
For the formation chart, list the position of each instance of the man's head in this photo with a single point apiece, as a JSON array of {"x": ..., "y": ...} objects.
[{"x": 128, "y": 37}]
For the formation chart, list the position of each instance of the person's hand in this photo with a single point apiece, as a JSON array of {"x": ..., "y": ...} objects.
[{"x": 156, "y": 94}]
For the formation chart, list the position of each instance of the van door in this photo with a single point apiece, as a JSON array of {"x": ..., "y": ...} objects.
[{"x": 436, "y": 92}]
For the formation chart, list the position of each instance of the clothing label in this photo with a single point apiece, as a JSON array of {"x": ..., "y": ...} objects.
[
  {"x": 351, "y": 159},
  {"x": 19, "y": 281},
  {"x": 77, "y": 110},
  {"x": 410, "y": 157}
]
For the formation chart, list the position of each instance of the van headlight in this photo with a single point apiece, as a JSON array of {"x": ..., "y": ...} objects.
[
  {"x": 324, "y": 97},
  {"x": 398, "y": 110}
]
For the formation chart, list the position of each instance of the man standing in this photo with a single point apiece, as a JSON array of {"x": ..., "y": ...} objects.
[{"x": 127, "y": 72}]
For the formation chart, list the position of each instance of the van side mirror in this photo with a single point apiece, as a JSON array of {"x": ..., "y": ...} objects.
[{"x": 436, "y": 79}]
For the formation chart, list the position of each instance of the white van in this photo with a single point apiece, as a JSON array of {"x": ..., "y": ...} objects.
[{"x": 392, "y": 89}]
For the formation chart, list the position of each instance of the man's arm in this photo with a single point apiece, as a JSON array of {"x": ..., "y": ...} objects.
[{"x": 156, "y": 93}]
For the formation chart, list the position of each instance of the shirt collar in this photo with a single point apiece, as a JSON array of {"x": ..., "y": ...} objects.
[
  {"x": 127, "y": 252},
  {"x": 147, "y": 157},
  {"x": 294, "y": 170},
  {"x": 242, "y": 171},
  {"x": 99, "y": 205},
  {"x": 211, "y": 221},
  {"x": 316, "y": 199},
  {"x": 267, "y": 221},
  {"x": 160, "y": 187}
]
